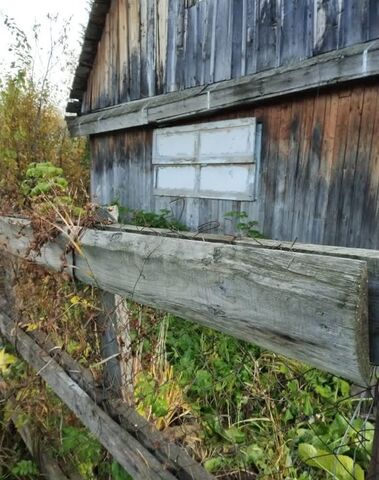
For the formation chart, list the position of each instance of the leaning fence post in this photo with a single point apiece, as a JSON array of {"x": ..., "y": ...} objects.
[{"x": 373, "y": 469}]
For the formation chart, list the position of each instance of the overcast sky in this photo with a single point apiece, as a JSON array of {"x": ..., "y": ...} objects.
[{"x": 27, "y": 13}]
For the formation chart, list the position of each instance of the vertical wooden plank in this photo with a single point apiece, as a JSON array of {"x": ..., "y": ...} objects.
[
  {"x": 294, "y": 133},
  {"x": 87, "y": 98},
  {"x": 105, "y": 67},
  {"x": 326, "y": 25},
  {"x": 354, "y": 24},
  {"x": 223, "y": 40},
  {"x": 296, "y": 30},
  {"x": 96, "y": 92},
  {"x": 172, "y": 39},
  {"x": 147, "y": 169},
  {"x": 135, "y": 161},
  {"x": 192, "y": 213},
  {"x": 255, "y": 209},
  {"x": 339, "y": 152},
  {"x": 238, "y": 38},
  {"x": 227, "y": 226},
  {"x": 108, "y": 194},
  {"x": 370, "y": 233},
  {"x": 161, "y": 44},
  {"x": 95, "y": 169},
  {"x": 268, "y": 34},
  {"x": 201, "y": 12},
  {"x": 282, "y": 179},
  {"x": 350, "y": 166},
  {"x": 109, "y": 347},
  {"x": 373, "y": 19},
  {"x": 115, "y": 66},
  {"x": 134, "y": 50},
  {"x": 124, "y": 163},
  {"x": 212, "y": 65},
  {"x": 366, "y": 181},
  {"x": 243, "y": 38},
  {"x": 179, "y": 45},
  {"x": 190, "y": 46},
  {"x": 123, "y": 50},
  {"x": 251, "y": 9},
  {"x": 147, "y": 48},
  {"x": 118, "y": 170},
  {"x": 94, "y": 95},
  {"x": 98, "y": 174},
  {"x": 311, "y": 225},
  {"x": 323, "y": 180},
  {"x": 144, "y": 48},
  {"x": 208, "y": 219},
  {"x": 302, "y": 170},
  {"x": 269, "y": 168},
  {"x": 209, "y": 28}
]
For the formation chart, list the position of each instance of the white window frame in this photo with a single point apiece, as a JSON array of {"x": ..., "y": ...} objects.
[{"x": 194, "y": 135}]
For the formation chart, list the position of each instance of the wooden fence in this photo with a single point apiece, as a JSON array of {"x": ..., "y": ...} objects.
[
  {"x": 317, "y": 304},
  {"x": 309, "y": 303}
]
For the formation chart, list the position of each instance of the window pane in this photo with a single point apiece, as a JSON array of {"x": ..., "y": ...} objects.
[
  {"x": 176, "y": 146},
  {"x": 222, "y": 179},
  {"x": 227, "y": 141},
  {"x": 176, "y": 178}
]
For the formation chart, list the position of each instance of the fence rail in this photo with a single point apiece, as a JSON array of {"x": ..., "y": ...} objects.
[{"x": 308, "y": 306}]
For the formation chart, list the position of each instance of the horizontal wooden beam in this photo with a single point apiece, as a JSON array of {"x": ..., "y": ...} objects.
[
  {"x": 351, "y": 63},
  {"x": 371, "y": 257},
  {"x": 131, "y": 455},
  {"x": 309, "y": 307}
]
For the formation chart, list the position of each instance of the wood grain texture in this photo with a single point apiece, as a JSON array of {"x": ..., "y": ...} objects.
[
  {"x": 371, "y": 257},
  {"x": 352, "y": 63},
  {"x": 318, "y": 183},
  {"x": 175, "y": 45},
  {"x": 308, "y": 307}
]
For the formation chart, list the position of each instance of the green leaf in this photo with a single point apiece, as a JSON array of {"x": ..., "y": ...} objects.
[
  {"x": 160, "y": 407},
  {"x": 118, "y": 473},
  {"x": 213, "y": 465},
  {"x": 235, "y": 435},
  {"x": 341, "y": 467},
  {"x": 254, "y": 454}
]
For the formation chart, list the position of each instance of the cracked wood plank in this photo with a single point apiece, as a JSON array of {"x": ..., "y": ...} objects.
[{"x": 312, "y": 308}]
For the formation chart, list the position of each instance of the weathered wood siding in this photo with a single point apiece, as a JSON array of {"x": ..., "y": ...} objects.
[
  {"x": 150, "y": 47},
  {"x": 319, "y": 176}
]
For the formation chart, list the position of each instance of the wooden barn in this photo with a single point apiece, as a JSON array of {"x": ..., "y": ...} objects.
[
  {"x": 268, "y": 107},
  {"x": 263, "y": 108}
]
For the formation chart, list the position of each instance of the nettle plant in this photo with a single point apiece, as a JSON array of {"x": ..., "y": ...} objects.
[
  {"x": 47, "y": 190},
  {"x": 44, "y": 179},
  {"x": 246, "y": 226}
]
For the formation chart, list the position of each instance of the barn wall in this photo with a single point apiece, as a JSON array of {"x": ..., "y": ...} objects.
[
  {"x": 319, "y": 178},
  {"x": 150, "y": 47}
]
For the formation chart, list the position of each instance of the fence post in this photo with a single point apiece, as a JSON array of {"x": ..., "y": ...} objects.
[{"x": 373, "y": 470}]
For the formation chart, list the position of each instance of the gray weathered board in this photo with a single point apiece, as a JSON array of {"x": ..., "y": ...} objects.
[
  {"x": 351, "y": 63},
  {"x": 309, "y": 307},
  {"x": 136, "y": 49}
]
